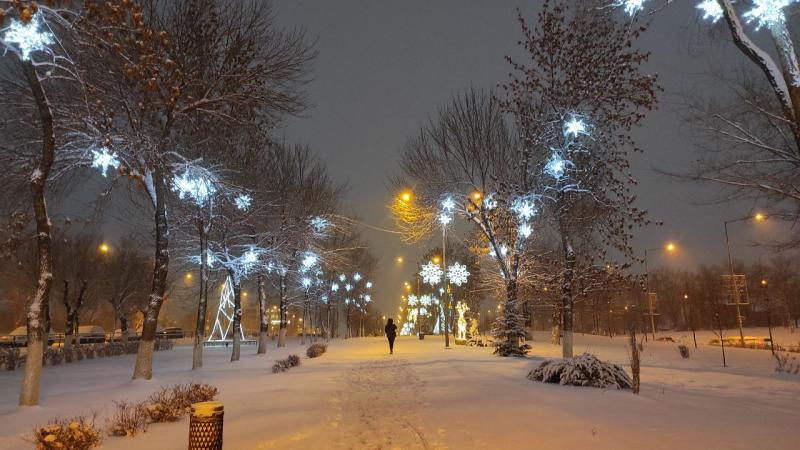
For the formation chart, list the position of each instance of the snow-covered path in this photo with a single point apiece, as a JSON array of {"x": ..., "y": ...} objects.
[{"x": 424, "y": 397}]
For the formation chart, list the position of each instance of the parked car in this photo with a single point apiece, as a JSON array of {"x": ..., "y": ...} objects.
[
  {"x": 17, "y": 338},
  {"x": 171, "y": 333},
  {"x": 116, "y": 336},
  {"x": 90, "y": 334}
]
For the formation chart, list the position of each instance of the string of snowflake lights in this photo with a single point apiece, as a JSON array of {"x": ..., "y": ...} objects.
[
  {"x": 431, "y": 273},
  {"x": 319, "y": 224},
  {"x": 25, "y": 38},
  {"x": 198, "y": 188},
  {"x": 489, "y": 202},
  {"x": 711, "y": 10},
  {"x": 457, "y": 274},
  {"x": 243, "y": 201},
  {"x": 310, "y": 260},
  {"x": 767, "y": 13},
  {"x": 631, "y": 7},
  {"x": 575, "y": 127},
  {"x": 103, "y": 159}
]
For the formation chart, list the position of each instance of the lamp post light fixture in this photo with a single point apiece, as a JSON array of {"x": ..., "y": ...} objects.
[
  {"x": 758, "y": 217},
  {"x": 670, "y": 247}
]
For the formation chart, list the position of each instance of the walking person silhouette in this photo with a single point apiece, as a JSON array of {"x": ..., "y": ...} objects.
[{"x": 391, "y": 333}]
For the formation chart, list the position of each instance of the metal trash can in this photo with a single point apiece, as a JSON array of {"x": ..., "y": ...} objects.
[{"x": 205, "y": 426}]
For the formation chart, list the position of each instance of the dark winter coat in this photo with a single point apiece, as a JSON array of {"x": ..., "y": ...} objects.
[{"x": 391, "y": 330}]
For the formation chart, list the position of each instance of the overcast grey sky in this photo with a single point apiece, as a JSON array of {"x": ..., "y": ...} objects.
[{"x": 384, "y": 67}]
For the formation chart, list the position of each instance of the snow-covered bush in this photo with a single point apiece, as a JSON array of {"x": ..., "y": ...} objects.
[
  {"x": 129, "y": 419},
  {"x": 282, "y": 365},
  {"x": 316, "y": 350},
  {"x": 787, "y": 363},
  {"x": 77, "y": 433},
  {"x": 11, "y": 358},
  {"x": 683, "y": 349},
  {"x": 171, "y": 403},
  {"x": 164, "y": 344},
  {"x": 583, "y": 370},
  {"x": 53, "y": 356}
]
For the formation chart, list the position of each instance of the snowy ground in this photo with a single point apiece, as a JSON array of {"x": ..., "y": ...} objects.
[{"x": 356, "y": 396}]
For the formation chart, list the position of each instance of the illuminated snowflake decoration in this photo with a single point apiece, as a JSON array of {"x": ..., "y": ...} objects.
[
  {"x": 342, "y": 277},
  {"x": 445, "y": 218},
  {"x": 767, "y": 13},
  {"x": 209, "y": 259},
  {"x": 524, "y": 208},
  {"x": 310, "y": 260},
  {"x": 448, "y": 204},
  {"x": 26, "y": 38},
  {"x": 425, "y": 300},
  {"x": 575, "y": 127},
  {"x": 347, "y": 301},
  {"x": 711, "y": 10},
  {"x": 103, "y": 159},
  {"x": 556, "y": 166},
  {"x": 319, "y": 224},
  {"x": 335, "y": 287},
  {"x": 367, "y": 298},
  {"x": 431, "y": 273},
  {"x": 489, "y": 202},
  {"x": 243, "y": 201},
  {"x": 525, "y": 230},
  {"x": 368, "y": 285},
  {"x": 357, "y": 276},
  {"x": 457, "y": 274},
  {"x": 503, "y": 252},
  {"x": 324, "y": 299},
  {"x": 631, "y": 7},
  {"x": 198, "y": 188},
  {"x": 412, "y": 300},
  {"x": 348, "y": 287},
  {"x": 306, "y": 282}
]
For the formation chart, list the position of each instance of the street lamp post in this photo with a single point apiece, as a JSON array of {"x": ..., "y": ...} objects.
[
  {"x": 735, "y": 294},
  {"x": 670, "y": 247}
]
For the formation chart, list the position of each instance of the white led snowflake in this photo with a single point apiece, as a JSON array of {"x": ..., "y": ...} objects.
[
  {"x": 306, "y": 282},
  {"x": 425, "y": 300},
  {"x": 324, "y": 299},
  {"x": 523, "y": 208},
  {"x": 357, "y": 276},
  {"x": 412, "y": 300},
  {"x": 711, "y": 10},
  {"x": 631, "y": 7},
  {"x": 26, "y": 38},
  {"x": 368, "y": 285},
  {"x": 342, "y": 277},
  {"x": 319, "y": 224},
  {"x": 489, "y": 202},
  {"x": 103, "y": 159},
  {"x": 574, "y": 127},
  {"x": 445, "y": 218},
  {"x": 767, "y": 13},
  {"x": 243, "y": 201},
  {"x": 431, "y": 273},
  {"x": 348, "y": 287},
  {"x": 309, "y": 260},
  {"x": 525, "y": 230},
  {"x": 448, "y": 204},
  {"x": 457, "y": 274},
  {"x": 367, "y": 298},
  {"x": 197, "y": 188},
  {"x": 556, "y": 166},
  {"x": 335, "y": 287}
]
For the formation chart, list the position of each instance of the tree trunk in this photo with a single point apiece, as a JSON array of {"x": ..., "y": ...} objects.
[
  {"x": 555, "y": 331},
  {"x": 123, "y": 327},
  {"x": 282, "y": 313},
  {"x": 202, "y": 304},
  {"x": 634, "y": 354},
  {"x": 566, "y": 296},
  {"x": 29, "y": 390},
  {"x": 263, "y": 314},
  {"x": 144, "y": 357},
  {"x": 69, "y": 327},
  {"x": 237, "y": 318}
]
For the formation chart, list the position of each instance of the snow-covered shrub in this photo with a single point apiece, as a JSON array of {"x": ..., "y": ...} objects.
[
  {"x": 683, "y": 349},
  {"x": 282, "y": 365},
  {"x": 129, "y": 419},
  {"x": 171, "y": 403},
  {"x": 163, "y": 344},
  {"x": 583, "y": 370},
  {"x": 79, "y": 352},
  {"x": 787, "y": 363},
  {"x": 53, "y": 356},
  {"x": 77, "y": 433},
  {"x": 316, "y": 350},
  {"x": 11, "y": 358}
]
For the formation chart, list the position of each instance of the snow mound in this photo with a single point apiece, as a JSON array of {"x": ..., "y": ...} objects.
[{"x": 583, "y": 370}]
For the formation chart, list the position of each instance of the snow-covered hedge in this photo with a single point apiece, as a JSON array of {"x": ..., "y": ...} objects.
[
  {"x": 282, "y": 365},
  {"x": 12, "y": 358},
  {"x": 583, "y": 370},
  {"x": 77, "y": 433},
  {"x": 316, "y": 350}
]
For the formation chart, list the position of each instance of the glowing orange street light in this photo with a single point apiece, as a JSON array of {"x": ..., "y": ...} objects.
[
  {"x": 759, "y": 217},
  {"x": 188, "y": 276},
  {"x": 436, "y": 260},
  {"x": 400, "y": 259},
  {"x": 763, "y": 282},
  {"x": 406, "y": 196},
  {"x": 476, "y": 196},
  {"x": 670, "y": 247},
  {"x": 104, "y": 248}
]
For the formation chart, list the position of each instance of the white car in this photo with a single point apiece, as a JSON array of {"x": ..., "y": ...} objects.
[
  {"x": 17, "y": 338},
  {"x": 90, "y": 334}
]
